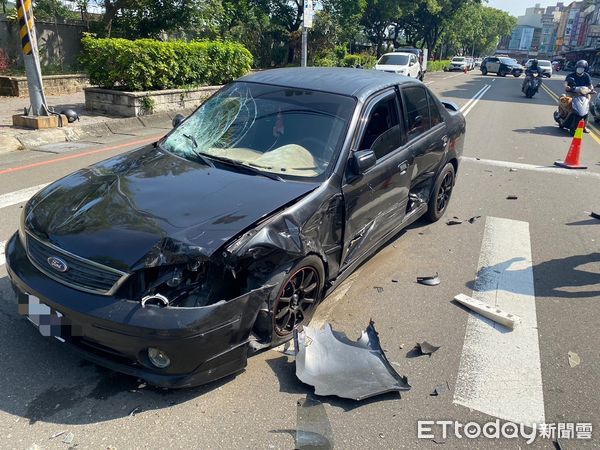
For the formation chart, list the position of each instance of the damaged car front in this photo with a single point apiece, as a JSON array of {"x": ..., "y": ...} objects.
[{"x": 167, "y": 262}]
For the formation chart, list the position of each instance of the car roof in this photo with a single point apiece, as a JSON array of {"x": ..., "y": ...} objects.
[
  {"x": 359, "y": 83},
  {"x": 398, "y": 53}
]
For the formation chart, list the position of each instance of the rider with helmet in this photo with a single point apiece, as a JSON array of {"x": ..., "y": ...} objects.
[
  {"x": 579, "y": 78},
  {"x": 532, "y": 70}
]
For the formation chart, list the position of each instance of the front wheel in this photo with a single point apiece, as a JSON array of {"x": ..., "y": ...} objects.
[
  {"x": 441, "y": 193},
  {"x": 484, "y": 71},
  {"x": 299, "y": 293}
]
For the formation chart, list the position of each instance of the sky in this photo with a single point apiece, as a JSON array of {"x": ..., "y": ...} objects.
[{"x": 517, "y": 7}]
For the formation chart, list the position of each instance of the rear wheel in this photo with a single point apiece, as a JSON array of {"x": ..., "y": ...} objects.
[
  {"x": 441, "y": 193},
  {"x": 297, "y": 298}
]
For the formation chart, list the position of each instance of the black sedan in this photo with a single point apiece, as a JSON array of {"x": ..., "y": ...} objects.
[{"x": 170, "y": 262}]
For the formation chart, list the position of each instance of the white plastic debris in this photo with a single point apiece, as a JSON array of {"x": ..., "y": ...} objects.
[{"x": 491, "y": 312}]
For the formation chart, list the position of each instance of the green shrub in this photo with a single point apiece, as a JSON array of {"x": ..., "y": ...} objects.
[
  {"x": 146, "y": 64},
  {"x": 437, "y": 66},
  {"x": 363, "y": 59}
]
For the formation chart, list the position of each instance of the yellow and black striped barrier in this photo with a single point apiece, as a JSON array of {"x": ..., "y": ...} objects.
[{"x": 25, "y": 16}]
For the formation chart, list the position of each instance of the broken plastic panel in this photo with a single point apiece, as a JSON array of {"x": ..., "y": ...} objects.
[
  {"x": 430, "y": 280},
  {"x": 336, "y": 365}
]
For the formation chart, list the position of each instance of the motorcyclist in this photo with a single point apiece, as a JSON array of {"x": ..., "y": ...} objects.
[
  {"x": 579, "y": 78},
  {"x": 534, "y": 70}
]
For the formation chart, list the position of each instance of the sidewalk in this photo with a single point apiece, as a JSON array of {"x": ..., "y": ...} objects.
[{"x": 91, "y": 124}]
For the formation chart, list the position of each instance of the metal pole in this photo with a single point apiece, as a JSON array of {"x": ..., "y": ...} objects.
[
  {"x": 31, "y": 59},
  {"x": 304, "y": 46}
]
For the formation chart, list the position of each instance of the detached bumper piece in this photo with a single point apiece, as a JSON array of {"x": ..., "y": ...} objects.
[{"x": 336, "y": 365}]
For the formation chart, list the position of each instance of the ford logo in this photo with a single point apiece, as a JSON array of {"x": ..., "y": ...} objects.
[{"x": 58, "y": 264}]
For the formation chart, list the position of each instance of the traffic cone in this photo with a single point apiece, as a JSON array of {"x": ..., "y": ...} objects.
[
  {"x": 465, "y": 69},
  {"x": 572, "y": 159}
]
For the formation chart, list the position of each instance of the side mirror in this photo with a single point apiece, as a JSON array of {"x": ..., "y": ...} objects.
[
  {"x": 363, "y": 160},
  {"x": 177, "y": 120},
  {"x": 450, "y": 105}
]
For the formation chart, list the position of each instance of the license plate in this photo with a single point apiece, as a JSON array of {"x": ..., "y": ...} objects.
[{"x": 48, "y": 321}]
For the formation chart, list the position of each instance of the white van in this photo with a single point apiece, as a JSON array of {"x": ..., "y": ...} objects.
[{"x": 402, "y": 63}]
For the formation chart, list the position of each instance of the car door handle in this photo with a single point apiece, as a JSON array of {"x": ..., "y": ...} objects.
[
  {"x": 403, "y": 167},
  {"x": 445, "y": 140}
]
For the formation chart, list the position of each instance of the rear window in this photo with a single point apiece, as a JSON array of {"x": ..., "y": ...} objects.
[
  {"x": 544, "y": 63},
  {"x": 508, "y": 61},
  {"x": 394, "y": 60},
  {"x": 458, "y": 59}
]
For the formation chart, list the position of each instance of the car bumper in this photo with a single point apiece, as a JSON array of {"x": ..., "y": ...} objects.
[{"x": 203, "y": 344}]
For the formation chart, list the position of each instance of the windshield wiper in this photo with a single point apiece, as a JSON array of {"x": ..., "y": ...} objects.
[
  {"x": 199, "y": 155},
  {"x": 246, "y": 167}
]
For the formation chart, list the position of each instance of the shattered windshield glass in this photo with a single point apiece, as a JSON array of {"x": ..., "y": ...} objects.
[{"x": 286, "y": 131}]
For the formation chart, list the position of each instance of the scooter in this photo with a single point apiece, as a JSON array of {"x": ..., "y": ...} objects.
[
  {"x": 573, "y": 109},
  {"x": 531, "y": 86}
]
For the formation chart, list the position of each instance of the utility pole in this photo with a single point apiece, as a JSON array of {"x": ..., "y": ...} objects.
[
  {"x": 38, "y": 115},
  {"x": 306, "y": 24}
]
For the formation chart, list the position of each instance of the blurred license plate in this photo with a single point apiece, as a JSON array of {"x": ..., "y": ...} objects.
[{"x": 46, "y": 320}]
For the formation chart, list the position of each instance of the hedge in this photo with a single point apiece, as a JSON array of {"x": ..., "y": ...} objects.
[
  {"x": 437, "y": 66},
  {"x": 146, "y": 64}
]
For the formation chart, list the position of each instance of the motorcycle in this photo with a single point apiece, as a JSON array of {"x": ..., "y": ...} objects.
[
  {"x": 531, "y": 86},
  {"x": 572, "y": 109}
]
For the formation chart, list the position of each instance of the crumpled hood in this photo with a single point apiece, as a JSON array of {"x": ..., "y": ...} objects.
[{"x": 148, "y": 208}]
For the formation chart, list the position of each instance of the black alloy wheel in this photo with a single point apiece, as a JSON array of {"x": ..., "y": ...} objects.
[
  {"x": 296, "y": 300},
  {"x": 441, "y": 193}
]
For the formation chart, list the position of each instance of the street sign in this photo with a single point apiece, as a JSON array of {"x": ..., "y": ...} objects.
[{"x": 309, "y": 12}]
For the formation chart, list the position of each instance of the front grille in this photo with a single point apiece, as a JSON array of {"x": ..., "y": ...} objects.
[{"x": 80, "y": 274}]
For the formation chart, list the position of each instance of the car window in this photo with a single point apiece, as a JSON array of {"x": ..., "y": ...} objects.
[
  {"x": 434, "y": 111},
  {"x": 383, "y": 134},
  {"x": 394, "y": 60},
  {"x": 417, "y": 111}
]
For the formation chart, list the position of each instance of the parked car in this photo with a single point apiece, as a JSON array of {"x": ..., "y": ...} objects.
[
  {"x": 421, "y": 54},
  {"x": 544, "y": 65},
  {"x": 402, "y": 63},
  {"x": 478, "y": 62},
  {"x": 459, "y": 63},
  {"x": 501, "y": 66},
  {"x": 168, "y": 262}
]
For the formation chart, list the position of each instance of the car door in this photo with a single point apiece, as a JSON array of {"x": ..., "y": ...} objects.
[
  {"x": 375, "y": 201},
  {"x": 425, "y": 131},
  {"x": 493, "y": 65}
]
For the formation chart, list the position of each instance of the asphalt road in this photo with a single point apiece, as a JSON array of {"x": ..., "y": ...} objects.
[{"x": 543, "y": 251}]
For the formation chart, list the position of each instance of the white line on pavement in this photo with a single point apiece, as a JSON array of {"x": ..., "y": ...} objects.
[
  {"x": 546, "y": 169},
  {"x": 469, "y": 106},
  {"x": 466, "y": 105},
  {"x": 12, "y": 198},
  {"x": 500, "y": 371},
  {"x": 2, "y": 260}
]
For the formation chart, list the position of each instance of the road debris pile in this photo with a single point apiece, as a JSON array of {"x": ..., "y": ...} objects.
[{"x": 336, "y": 365}]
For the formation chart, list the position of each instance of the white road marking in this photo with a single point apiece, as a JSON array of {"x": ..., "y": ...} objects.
[
  {"x": 2, "y": 259},
  {"x": 466, "y": 109},
  {"x": 532, "y": 167},
  {"x": 500, "y": 371},
  {"x": 13, "y": 198}
]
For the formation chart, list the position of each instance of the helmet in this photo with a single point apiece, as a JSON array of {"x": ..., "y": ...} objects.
[
  {"x": 582, "y": 63},
  {"x": 72, "y": 116}
]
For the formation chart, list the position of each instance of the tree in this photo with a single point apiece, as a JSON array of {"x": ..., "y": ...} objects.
[
  {"x": 51, "y": 9},
  {"x": 343, "y": 17},
  {"x": 378, "y": 16}
]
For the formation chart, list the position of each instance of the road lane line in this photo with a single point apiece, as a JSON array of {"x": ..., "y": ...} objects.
[
  {"x": 2, "y": 259},
  {"x": 532, "y": 167},
  {"x": 500, "y": 371},
  {"x": 12, "y": 198},
  {"x": 476, "y": 99},
  {"x": 79, "y": 155},
  {"x": 466, "y": 105}
]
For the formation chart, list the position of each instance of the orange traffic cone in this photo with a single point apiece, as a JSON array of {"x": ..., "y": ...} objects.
[
  {"x": 572, "y": 159},
  {"x": 465, "y": 69}
]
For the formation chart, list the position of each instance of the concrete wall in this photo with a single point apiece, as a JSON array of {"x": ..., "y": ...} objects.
[
  {"x": 59, "y": 43},
  {"x": 53, "y": 85},
  {"x": 133, "y": 104}
]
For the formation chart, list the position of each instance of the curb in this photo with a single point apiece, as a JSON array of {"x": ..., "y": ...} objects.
[{"x": 70, "y": 133}]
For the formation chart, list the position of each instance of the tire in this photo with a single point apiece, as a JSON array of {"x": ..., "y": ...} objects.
[
  {"x": 501, "y": 73},
  {"x": 291, "y": 308},
  {"x": 484, "y": 71},
  {"x": 516, "y": 75},
  {"x": 438, "y": 200}
]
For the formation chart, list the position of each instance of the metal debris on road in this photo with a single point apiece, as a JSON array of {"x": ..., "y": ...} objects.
[
  {"x": 429, "y": 280},
  {"x": 313, "y": 430},
  {"x": 491, "y": 312},
  {"x": 336, "y": 365},
  {"x": 378, "y": 288},
  {"x": 426, "y": 348},
  {"x": 512, "y": 169},
  {"x": 60, "y": 433},
  {"x": 574, "y": 359},
  {"x": 68, "y": 438},
  {"x": 439, "y": 390},
  {"x": 474, "y": 219},
  {"x": 512, "y": 197},
  {"x": 454, "y": 221},
  {"x": 394, "y": 280}
]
